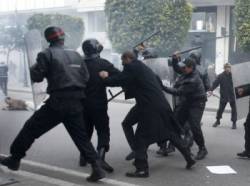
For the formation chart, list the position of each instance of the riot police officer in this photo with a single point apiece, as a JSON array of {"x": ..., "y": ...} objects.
[
  {"x": 66, "y": 75},
  {"x": 96, "y": 103},
  {"x": 190, "y": 104}
]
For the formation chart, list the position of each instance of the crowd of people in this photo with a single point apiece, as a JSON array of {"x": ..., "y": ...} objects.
[{"x": 78, "y": 99}]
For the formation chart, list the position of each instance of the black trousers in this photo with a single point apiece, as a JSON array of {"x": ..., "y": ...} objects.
[
  {"x": 140, "y": 147},
  {"x": 141, "y": 157},
  {"x": 222, "y": 108},
  {"x": 247, "y": 133},
  {"x": 54, "y": 112},
  {"x": 130, "y": 120},
  {"x": 98, "y": 118},
  {"x": 190, "y": 118}
]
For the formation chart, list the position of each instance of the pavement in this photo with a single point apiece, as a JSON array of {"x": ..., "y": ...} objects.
[{"x": 53, "y": 158}]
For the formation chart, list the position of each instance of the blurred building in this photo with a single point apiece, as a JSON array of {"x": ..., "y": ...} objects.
[{"x": 211, "y": 21}]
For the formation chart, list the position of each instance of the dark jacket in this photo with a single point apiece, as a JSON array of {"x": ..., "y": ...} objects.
[
  {"x": 96, "y": 90},
  {"x": 64, "y": 69},
  {"x": 225, "y": 82},
  {"x": 155, "y": 115},
  {"x": 202, "y": 73},
  {"x": 189, "y": 88}
]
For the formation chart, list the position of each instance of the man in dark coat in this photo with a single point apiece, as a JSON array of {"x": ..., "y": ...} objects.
[
  {"x": 190, "y": 100},
  {"x": 241, "y": 92},
  {"x": 67, "y": 76},
  {"x": 96, "y": 104},
  {"x": 156, "y": 121},
  {"x": 224, "y": 80}
]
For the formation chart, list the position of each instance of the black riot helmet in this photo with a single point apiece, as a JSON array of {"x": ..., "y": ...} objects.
[
  {"x": 196, "y": 55},
  {"x": 149, "y": 53},
  {"x": 53, "y": 34},
  {"x": 91, "y": 47}
]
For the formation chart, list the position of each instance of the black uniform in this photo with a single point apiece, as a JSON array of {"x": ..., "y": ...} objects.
[
  {"x": 155, "y": 117},
  {"x": 4, "y": 78},
  {"x": 96, "y": 104},
  {"x": 225, "y": 82},
  {"x": 66, "y": 75},
  {"x": 190, "y": 102},
  {"x": 246, "y": 152}
]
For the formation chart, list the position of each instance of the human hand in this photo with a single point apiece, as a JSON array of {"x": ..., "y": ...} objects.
[
  {"x": 240, "y": 91},
  {"x": 103, "y": 74}
]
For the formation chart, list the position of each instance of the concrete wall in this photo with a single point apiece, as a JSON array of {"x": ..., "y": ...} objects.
[{"x": 222, "y": 45}]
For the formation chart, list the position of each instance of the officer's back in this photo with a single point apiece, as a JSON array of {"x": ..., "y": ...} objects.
[{"x": 64, "y": 70}]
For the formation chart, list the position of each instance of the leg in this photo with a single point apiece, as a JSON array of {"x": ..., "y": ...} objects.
[
  {"x": 194, "y": 121},
  {"x": 41, "y": 122},
  {"x": 246, "y": 152},
  {"x": 74, "y": 123},
  {"x": 180, "y": 145},
  {"x": 141, "y": 159},
  {"x": 247, "y": 133},
  {"x": 219, "y": 112},
  {"x": 233, "y": 114},
  {"x": 101, "y": 124},
  {"x": 127, "y": 125}
]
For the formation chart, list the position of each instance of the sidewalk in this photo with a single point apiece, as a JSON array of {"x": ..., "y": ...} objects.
[
  {"x": 23, "y": 178},
  {"x": 15, "y": 180}
]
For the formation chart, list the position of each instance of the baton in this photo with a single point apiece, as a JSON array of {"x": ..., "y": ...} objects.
[
  {"x": 188, "y": 50},
  {"x": 214, "y": 95},
  {"x": 147, "y": 38},
  {"x": 114, "y": 96}
]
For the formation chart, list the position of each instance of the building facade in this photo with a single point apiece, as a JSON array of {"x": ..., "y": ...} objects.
[{"x": 211, "y": 25}]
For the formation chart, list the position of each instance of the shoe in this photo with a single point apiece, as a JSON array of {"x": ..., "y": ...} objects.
[
  {"x": 97, "y": 173},
  {"x": 234, "y": 126},
  {"x": 217, "y": 123},
  {"x": 170, "y": 148},
  {"x": 11, "y": 163},
  {"x": 103, "y": 163},
  {"x": 130, "y": 156},
  {"x": 138, "y": 174},
  {"x": 190, "y": 164},
  {"x": 244, "y": 154},
  {"x": 82, "y": 162},
  {"x": 201, "y": 154},
  {"x": 105, "y": 166},
  {"x": 163, "y": 151}
]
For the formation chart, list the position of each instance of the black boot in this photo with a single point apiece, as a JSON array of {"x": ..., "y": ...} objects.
[
  {"x": 138, "y": 174},
  {"x": 201, "y": 153},
  {"x": 217, "y": 123},
  {"x": 82, "y": 161},
  {"x": 11, "y": 162},
  {"x": 163, "y": 149},
  {"x": 104, "y": 164},
  {"x": 234, "y": 125},
  {"x": 97, "y": 172},
  {"x": 130, "y": 156},
  {"x": 244, "y": 154}
]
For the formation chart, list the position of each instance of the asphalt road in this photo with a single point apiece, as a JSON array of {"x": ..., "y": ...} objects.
[{"x": 56, "y": 149}]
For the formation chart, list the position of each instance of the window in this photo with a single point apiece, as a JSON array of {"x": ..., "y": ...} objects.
[
  {"x": 203, "y": 22},
  {"x": 97, "y": 21}
]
